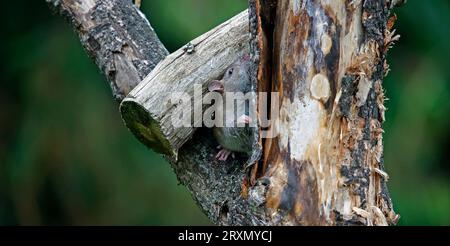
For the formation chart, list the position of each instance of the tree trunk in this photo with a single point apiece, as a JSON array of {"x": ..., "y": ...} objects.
[{"x": 325, "y": 59}]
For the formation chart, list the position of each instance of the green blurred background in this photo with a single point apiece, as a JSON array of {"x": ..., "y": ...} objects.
[{"x": 67, "y": 159}]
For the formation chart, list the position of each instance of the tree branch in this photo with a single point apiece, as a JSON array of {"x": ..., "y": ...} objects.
[
  {"x": 117, "y": 36},
  {"x": 148, "y": 110}
]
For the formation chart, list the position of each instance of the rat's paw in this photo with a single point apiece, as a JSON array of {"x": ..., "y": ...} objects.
[
  {"x": 244, "y": 120},
  {"x": 223, "y": 154}
]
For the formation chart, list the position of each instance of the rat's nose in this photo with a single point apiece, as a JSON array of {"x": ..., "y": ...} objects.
[{"x": 215, "y": 85}]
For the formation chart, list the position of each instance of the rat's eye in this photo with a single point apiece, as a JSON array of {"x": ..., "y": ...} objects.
[{"x": 230, "y": 71}]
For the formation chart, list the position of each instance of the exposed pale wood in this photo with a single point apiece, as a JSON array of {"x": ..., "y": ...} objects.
[
  {"x": 328, "y": 64},
  {"x": 148, "y": 110}
]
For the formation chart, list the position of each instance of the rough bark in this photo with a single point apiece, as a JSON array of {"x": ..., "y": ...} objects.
[
  {"x": 148, "y": 110},
  {"x": 117, "y": 36},
  {"x": 325, "y": 167},
  {"x": 327, "y": 60}
]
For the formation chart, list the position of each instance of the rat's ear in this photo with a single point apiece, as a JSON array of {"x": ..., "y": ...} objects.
[{"x": 215, "y": 85}]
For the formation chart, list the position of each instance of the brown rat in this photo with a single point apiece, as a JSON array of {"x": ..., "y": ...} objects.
[{"x": 235, "y": 138}]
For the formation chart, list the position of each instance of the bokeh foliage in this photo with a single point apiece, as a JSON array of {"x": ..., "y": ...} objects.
[{"x": 66, "y": 157}]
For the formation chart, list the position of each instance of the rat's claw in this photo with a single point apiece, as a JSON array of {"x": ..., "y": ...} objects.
[
  {"x": 223, "y": 155},
  {"x": 244, "y": 119}
]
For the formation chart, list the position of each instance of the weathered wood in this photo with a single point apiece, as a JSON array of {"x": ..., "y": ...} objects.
[
  {"x": 148, "y": 111},
  {"x": 289, "y": 192},
  {"x": 117, "y": 36},
  {"x": 328, "y": 64}
]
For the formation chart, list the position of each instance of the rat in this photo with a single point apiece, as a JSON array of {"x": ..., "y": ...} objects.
[{"x": 233, "y": 138}]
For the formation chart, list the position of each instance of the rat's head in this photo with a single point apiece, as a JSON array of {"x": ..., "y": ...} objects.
[{"x": 235, "y": 79}]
